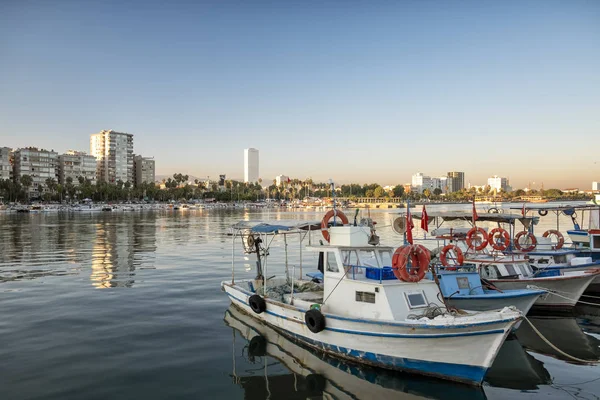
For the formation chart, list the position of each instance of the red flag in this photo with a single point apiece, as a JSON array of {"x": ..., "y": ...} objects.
[
  {"x": 523, "y": 210},
  {"x": 289, "y": 180},
  {"x": 475, "y": 216},
  {"x": 409, "y": 226},
  {"x": 424, "y": 220}
]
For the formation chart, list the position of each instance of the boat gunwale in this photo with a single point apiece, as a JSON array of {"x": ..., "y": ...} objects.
[{"x": 517, "y": 316}]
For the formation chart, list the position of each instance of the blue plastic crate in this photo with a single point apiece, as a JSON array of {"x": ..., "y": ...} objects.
[{"x": 383, "y": 274}]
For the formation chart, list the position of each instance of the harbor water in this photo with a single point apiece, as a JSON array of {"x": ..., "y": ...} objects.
[{"x": 126, "y": 305}]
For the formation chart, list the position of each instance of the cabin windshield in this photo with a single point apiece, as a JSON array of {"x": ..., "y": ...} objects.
[
  {"x": 368, "y": 258},
  {"x": 525, "y": 270},
  {"x": 332, "y": 262},
  {"x": 490, "y": 272},
  {"x": 386, "y": 258}
]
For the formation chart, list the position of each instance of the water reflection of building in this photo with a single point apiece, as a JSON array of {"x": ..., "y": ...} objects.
[{"x": 123, "y": 243}]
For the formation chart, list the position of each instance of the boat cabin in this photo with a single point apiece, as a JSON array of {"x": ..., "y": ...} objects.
[{"x": 359, "y": 280}]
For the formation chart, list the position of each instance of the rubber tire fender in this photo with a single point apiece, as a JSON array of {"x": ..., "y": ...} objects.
[{"x": 257, "y": 303}]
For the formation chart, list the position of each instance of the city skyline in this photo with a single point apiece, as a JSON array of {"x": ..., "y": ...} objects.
[{"x": 369, "y": 93}]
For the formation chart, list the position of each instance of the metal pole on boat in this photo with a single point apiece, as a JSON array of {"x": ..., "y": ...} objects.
[
  {"x": 293, "y": 277},
  {"x": 300, "y": 254},
  {"x": 287, "y": 271},
  {"x": 233, "y": 258},
  {"x": 265, "y": 268}
]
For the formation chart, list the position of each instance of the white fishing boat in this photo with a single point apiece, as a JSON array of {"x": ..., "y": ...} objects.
[
  {"x": 500, "y": 256},
  {"x": 514, "y": 272},
  {"x": 355, "y": 314}
]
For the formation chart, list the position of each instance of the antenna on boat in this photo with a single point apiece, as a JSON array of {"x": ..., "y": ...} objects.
[{"x": 333, "y": 200}]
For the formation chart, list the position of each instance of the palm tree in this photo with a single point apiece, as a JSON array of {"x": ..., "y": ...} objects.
[{"x": 26, "y": 181}]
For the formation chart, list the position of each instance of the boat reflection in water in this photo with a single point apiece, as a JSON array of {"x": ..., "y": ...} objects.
[
  {"x": 308, "y": 373},
  {"x": 562, "y": 332}
]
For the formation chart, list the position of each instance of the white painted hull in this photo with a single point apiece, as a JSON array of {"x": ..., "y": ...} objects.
[
  {"x": 450, "y": 350},
  {"x": 563, "y": 291},
  {"x": 523, "y": 303},
  {"x": 340, "y": 380}
]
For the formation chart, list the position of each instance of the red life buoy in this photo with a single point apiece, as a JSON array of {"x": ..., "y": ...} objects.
[
  {"x": 419, "y": 259},
  {"x": 530, "y": 236},
  {"x": 475, "y": 232},
  {"x": 559, "y": 237},
  {"x": 495, "y": 242},
  {"x": 327, "y": 217},
  {"x": 460, "y": 258}
]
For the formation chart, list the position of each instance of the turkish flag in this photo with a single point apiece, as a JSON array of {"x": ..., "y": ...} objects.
[
  {"x": 409, "y": 227},
  {"x": 475, "y": 216},
  {"x": 424, "y": 220},
  {"x": 523, "y": 210}
]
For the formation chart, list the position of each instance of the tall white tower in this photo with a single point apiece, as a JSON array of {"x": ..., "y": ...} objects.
[{"x": 250, "y": 165}]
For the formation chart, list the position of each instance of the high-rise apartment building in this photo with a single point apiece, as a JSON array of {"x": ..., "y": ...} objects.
[
  {"x": 39, "y": 164},
  {"x": 6, "y": 168},
  {"x": 456, "y": 181},
  {"x": 114, "y": 156},
  {"x": 250, "y": 165},
  {"x": 144, "y": 169},
  {"x": 75, "y": 164},
  {"x": 498, "y": 183},
  {"x": 421, "y": 182}
]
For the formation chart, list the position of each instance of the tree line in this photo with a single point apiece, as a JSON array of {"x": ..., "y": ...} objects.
[{"x": 178, "y": 188}]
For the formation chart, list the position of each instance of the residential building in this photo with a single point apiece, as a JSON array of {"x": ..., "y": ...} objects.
[
  {"x": 595, "y": 186},
  {"x": 281, "y": 179},
  {"x": 75, "y": 164},
  {"x": 497, "y": 183},
  {"x": 421, "y": 182},
  {"x": 144, "y": 169},
  {"x": 6, "y": 168},
  {"x": 456, "y": 181},
  {"x": 114, "y": 156},
  {"x": 250, "y": 165},
  {"x": 39, "y": 164}
]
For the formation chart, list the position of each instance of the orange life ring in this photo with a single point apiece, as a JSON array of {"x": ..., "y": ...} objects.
[
  {"x": 502, "y": 234},
  {"x": 530, "y": 236},
  {"x": 460, "y": 258},
  {"x": 419, "y": 258},
  {"x": 327, "y": 217},
  {"x": 484, "y": 238},
  {"x": 559, "y": 237}
]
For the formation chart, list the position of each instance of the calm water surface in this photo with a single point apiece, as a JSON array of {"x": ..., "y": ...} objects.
[{"x": 128, "y": 305}]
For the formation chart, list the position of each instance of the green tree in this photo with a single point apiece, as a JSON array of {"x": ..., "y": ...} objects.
[
  {"x": 378, "y": 192},
  {"x": 398, "y": 190}
]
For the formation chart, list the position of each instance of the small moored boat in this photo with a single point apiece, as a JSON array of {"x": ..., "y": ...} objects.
[{"x": 355, "y": 314}]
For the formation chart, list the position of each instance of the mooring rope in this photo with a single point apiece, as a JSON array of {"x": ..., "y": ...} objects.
[{"x": 554, "y": 347}]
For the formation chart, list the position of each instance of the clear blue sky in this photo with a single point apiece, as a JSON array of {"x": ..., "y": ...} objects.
[{"x": 353, "y": 90}]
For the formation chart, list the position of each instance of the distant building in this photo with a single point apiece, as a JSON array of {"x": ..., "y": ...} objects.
[
  {"x": 595, "y": 186},
  {"x": 250, "y": 165},
  {"x": 39, "y": 164},
  {"x": 281, "y": 179},
  {"x": 74, "y": 164},
  {"x": 421, "y": 182},
  {"x": 498, "y": 183},
  {"x": 571, "y": 190},
  {"x": 144, "y": 170},
  {"x": 6, "y": 168},
  {"x": 456, "y": 181},
  {"x": 114, "y": 156}
]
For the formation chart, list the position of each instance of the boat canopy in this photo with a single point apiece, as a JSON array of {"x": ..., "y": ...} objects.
[
  {"x": 276, "y": 226},
  {"x": 556, "y": 207},
  {"x": 468, "y": 216}
]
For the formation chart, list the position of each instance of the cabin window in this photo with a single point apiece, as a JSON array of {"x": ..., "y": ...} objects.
[
  {"x": 463, "y": 283},
  {"x": 365, "y": 297},
  {"x": 490, "y": 272},
  {"x": 386, "y": 258},
  {"x": 525, "y": 270},
  {"x": 351, "y": 263},
  {"x": 510, "y": 269},
  {"x": 368, "y": 258},
  {"x": 416, "y": 299},
  {"x": 560, "y": 259},
  {"x": 332, "y": 262}
]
